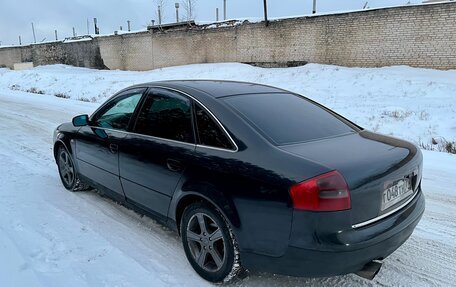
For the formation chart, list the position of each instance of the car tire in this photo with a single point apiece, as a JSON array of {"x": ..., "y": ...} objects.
[
  {"x": 209, "y": 243},
  {"x": 66, "y": 168}
]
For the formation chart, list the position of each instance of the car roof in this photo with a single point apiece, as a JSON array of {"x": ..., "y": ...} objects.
[{"x": 215, "y": 88}]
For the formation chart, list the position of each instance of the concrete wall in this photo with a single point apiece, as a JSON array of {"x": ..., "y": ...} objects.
[
  {"x": 79, "y": 54},
  {"x": 23, "y": 66},
  {"x": 420, "y": 36},
  {"x": 145, "y": 51},
  {"x": 10, "y": 56}
]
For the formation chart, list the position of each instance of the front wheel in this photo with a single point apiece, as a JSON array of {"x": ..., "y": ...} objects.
[
  {"x": 66, "y": 168},
  {"x": 209, "y": 244}
]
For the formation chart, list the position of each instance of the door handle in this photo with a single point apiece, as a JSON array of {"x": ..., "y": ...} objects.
[
  {"x": 113, "y": 148},
  {"x": 173, "y": 165}
]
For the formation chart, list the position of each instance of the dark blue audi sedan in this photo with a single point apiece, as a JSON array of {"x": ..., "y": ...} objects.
[{"x": 252, "y": 177}]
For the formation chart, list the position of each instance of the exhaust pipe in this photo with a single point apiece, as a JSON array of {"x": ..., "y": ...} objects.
[{"x": 370, "y": 270}]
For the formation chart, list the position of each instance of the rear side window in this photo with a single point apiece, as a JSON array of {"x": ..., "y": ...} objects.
[
  {"x": 209, "y": 132},
  {"x": 287, "y": 118},
  {"x": 166, "y": 114}
]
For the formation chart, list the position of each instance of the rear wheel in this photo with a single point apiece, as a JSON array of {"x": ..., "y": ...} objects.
[
  {"x": 66, "y": 168},
  {"x": 209, "y": 244}
]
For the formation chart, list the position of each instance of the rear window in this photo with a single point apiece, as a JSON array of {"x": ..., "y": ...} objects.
[{"x": 287, "y": 118}]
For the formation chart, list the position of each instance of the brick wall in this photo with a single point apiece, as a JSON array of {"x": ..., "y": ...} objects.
[{"x": 420, "y": 36}]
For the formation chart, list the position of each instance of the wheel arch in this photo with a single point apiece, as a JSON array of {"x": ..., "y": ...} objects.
[
  {"x": 57, "y": 144},
  {"x": 214, "y": 198},
  {"x": 62, "y": 140}
]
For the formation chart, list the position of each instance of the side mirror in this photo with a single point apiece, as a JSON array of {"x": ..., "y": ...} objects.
[{"x": 80, "y": 121}]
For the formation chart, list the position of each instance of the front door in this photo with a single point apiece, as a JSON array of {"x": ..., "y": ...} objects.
[
  {"x": 154, "y": 156},
  {"x": 97, "y": 145}
]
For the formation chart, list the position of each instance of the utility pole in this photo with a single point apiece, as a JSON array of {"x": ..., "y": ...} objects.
[
  {"x": 159, "y": 15},
  {"x": 74, "y": 32},
  {"x": 34, "y": 36},
  {"x": 266, "y": 12},
  {"x": 56, "y": 37},
  {"x": 177, "y": 11},
  {"x": 97, "y": 30},
  {"x": 224, "y": 10},
  {"x": 128, "y": 25},
  {"x": 216, "y": 14},
  {"x": 314, "y": 9},
  {"x": 20, "y": 41},
  {"x": 190, "y": 12}
]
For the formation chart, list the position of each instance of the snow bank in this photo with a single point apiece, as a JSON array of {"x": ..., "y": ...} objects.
[{"x": 415, "y": 104}]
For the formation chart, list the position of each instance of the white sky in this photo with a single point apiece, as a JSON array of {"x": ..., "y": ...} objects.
[{"x": 16, "y": 16}]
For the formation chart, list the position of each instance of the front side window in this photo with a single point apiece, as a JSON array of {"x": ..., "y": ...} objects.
[
  {"x": 166, "y": 114},
  {"x": 117, "y": 113},
  {"x": 209, "y": 132}
]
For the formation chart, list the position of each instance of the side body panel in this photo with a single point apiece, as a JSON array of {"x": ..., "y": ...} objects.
[
  {"x": 97, "y": 156},
  {"x": 150, "y": 169}
]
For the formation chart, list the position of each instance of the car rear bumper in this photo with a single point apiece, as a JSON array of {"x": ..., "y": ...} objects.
[{"x": 344, "y": 253}]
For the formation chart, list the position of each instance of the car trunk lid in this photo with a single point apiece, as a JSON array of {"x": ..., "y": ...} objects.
[{"x": 370, "y": 163}]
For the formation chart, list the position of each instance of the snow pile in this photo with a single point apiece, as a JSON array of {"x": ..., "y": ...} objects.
[{"x": 415, "y": 104}]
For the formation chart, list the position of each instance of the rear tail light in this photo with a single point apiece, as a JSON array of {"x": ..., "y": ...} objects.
[{"x": 326, "y": 192}]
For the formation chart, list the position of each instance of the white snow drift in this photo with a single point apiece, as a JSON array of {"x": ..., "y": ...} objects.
[{"x": 415, "y": 104}]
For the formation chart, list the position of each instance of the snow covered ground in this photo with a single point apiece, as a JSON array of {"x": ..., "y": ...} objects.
[
  {"x": 51, "y": 237},
  {"x": 415, "y": 104}
]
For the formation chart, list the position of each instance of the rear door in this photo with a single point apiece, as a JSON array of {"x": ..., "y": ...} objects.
[
  {"x": 97, "y": 144},
  {"x": 154, "y": 156}
]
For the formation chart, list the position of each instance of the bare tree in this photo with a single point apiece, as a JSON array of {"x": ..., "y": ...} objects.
[
  {"x": 189, "y": 7},
  {"x": 160, "y": 5}
]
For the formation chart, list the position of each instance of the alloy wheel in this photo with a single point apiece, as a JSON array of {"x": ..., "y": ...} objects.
[
  {"x": 206, "y": 243},
  {"x": 66, "y": 168}
]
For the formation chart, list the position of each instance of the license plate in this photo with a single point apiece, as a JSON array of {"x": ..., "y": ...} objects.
[{"x": 395, "y": 193}]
